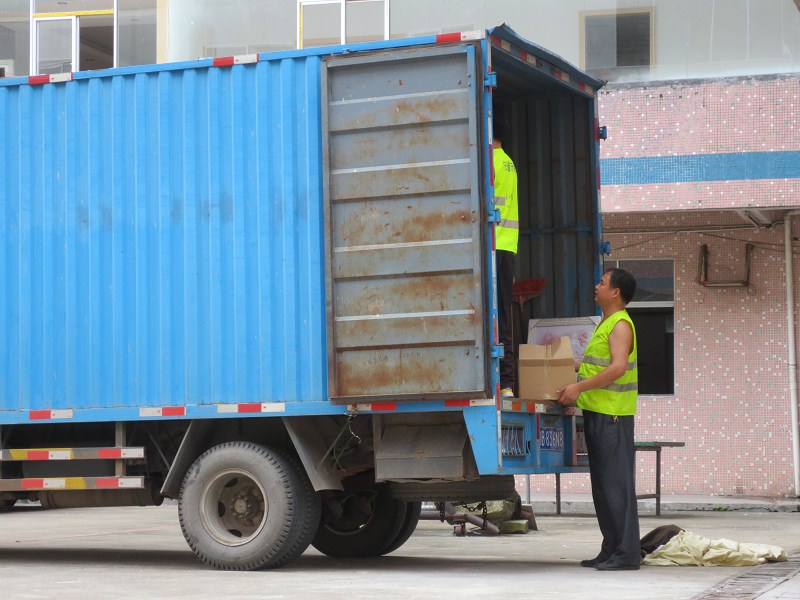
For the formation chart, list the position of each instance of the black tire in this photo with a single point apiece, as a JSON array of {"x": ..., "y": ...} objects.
[
  {"x": 360, "y": 523},
  {"x": 414, "y": 509},
  {"x": 244, "y": 506}
]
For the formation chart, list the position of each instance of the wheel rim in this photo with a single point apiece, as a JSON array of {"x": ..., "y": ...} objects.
[
  {"x": 358, "y": 511},
  {"x": 233, "y": 507}
]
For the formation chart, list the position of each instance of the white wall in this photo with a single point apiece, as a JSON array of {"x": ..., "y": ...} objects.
[{"x": 693, "y": 38}]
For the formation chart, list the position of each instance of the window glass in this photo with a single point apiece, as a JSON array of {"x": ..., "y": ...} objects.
[
  {"x": 321, "y": 24},
  {"x": 96, "y": 35},
  {"x": 364, "y": 21},
  {"x": 14, "y": 38},
  {"x": 655, "y": 281},
  {"x": 203, "y": 28},
  {"x": 138, "y": 42},
  {"x": 617, "y": 44},
  {"x": 409, "y": 18},
  {"x": 54, "y": 48}
]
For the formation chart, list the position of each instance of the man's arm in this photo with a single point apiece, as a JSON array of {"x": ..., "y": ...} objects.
[{"x": 620, "y": 342}]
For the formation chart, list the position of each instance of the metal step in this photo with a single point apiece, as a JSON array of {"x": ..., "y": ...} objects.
[
  {"x": 109, "y": 453},
  {"x": 70, "y": 483}
]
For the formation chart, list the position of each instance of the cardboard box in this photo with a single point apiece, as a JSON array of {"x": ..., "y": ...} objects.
[{"x": 545, "y": 369}]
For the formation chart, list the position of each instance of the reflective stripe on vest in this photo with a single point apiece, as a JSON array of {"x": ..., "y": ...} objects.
[
  {"x": 619, "y": 397},
  {"x": 505, "y": 199}
]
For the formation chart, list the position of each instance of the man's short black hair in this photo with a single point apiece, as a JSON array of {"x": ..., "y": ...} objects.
[{"x": 624, "y": 281}]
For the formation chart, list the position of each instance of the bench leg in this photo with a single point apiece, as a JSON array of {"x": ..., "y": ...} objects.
[
  {"x": 558, "y": 493},
  {"x": 658, "y": 482}
]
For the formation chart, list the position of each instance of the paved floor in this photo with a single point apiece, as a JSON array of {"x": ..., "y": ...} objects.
[{"x": 140, "y": 553}]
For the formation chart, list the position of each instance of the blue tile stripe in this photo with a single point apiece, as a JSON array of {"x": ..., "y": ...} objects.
[{"x": 736, "y": 166}]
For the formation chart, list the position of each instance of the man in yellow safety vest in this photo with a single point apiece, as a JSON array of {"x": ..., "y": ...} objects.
[
  {"x": 606, "y": 390},
  {"x": 506, "y": 242}
]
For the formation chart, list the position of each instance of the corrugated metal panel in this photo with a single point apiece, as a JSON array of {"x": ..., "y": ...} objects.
[
  {"x": 162, "y": 238},
  {"x": 407, "y": 315}
]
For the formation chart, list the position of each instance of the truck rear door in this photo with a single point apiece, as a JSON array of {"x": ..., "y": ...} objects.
[{"x": 407, "y": 298}]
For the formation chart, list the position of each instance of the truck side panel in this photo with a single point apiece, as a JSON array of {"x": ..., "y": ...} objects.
[{"x": 162, "y": 239}]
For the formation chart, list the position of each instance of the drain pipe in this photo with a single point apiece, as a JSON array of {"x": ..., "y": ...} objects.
[{"x": 787, "y": 243}]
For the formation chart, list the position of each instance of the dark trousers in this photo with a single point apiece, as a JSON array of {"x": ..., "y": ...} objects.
[
  {"x": 612, "y": 466},
  {"x": 505, "y": 291}
]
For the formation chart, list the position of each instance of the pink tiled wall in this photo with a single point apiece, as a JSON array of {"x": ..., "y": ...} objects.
[{"x": 759, "y": 114}]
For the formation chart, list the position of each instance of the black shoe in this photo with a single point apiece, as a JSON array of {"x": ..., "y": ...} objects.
[
  {"x": 613, "y": 566},
  {"x": 590, "y": 562}
]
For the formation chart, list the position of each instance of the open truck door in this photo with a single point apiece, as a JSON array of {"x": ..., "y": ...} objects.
[{"x": 406, "y": 222}]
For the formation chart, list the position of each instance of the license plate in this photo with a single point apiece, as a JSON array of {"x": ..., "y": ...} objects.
[{"x": 551, "y": 438}]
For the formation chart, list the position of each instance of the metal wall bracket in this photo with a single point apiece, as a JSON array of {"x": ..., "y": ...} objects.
[{"x": 702, "y": 272}]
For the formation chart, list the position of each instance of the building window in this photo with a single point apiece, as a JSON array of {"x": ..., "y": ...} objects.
[
  {"x": 334, "y": 22},
  {"x": 617, "y": 45},
  {"x": 15, "y": 38},
  {"x": 652, "y": 311}
]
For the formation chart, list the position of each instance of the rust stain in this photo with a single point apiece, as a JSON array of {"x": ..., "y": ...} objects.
[{"x": 399, "y": 371}]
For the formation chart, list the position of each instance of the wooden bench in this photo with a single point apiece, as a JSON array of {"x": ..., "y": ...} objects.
[
  {"x": 656, "y": 447},
  {"x": 640, "y": 447}
]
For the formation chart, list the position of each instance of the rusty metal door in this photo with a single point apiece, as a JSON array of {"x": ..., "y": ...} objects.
[{"x": 405, "y": 247}]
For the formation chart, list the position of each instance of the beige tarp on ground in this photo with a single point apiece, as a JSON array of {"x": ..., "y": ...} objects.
[{"x": 688, "y": 548}]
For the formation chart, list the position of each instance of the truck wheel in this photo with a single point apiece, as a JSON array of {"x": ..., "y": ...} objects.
[
  {"x": 360, "y": 523},
  {"x": 414, "y": 509},
  {"x": 244, "y": 506}
]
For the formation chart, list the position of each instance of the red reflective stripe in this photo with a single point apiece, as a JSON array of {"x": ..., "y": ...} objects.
[
  {"x": 35, "y": 415},
  {"x": 173, "y": 411},
  {"x": 38, "y": 454},
  {"x": 443, "y": 38},
  {"x": 38, "y": 79},
  {"x": 110, "y": 453},
  {"x": 530, "y": 407},
  {"x": 384, "y": 406},
  {"x": 28, "y": 484},
  {"x": 598, "y": 178},
  {"x": 223, "y": 61},
  {"x": 456, "y": 402},
  {"x": 252, "y": 407},
  {"x": 106, "y": 482}
]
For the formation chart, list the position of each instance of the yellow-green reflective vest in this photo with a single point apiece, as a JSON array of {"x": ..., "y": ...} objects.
[
  {"x": 505, "y": 199},
  {"x": 618, "y": 398}
]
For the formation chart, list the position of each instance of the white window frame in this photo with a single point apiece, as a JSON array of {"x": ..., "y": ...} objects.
[
  {"x": 74, "y": 54},
  {"x": 342, "y": 17}
]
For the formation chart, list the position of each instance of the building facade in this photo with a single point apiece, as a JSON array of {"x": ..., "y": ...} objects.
[{"x": 700, "y": 173}]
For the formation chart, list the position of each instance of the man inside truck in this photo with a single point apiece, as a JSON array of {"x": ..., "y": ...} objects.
[
  {"x": 607, "y": 390},
  {"x": 506, "y": 242}
]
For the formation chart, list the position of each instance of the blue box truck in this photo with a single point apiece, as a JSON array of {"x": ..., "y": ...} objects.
[{"x": 264, "y": 286}]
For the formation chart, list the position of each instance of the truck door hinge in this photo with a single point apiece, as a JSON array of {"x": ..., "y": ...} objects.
[
  {"x": 494, "y": 215},
  {"x": 490, "y": 80},
  {"x": 498, "y": 352},
  {"x": 605, "y": 248}
]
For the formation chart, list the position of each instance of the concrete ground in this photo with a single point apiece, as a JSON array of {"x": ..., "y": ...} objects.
[{"x": 140, "y": 553}]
